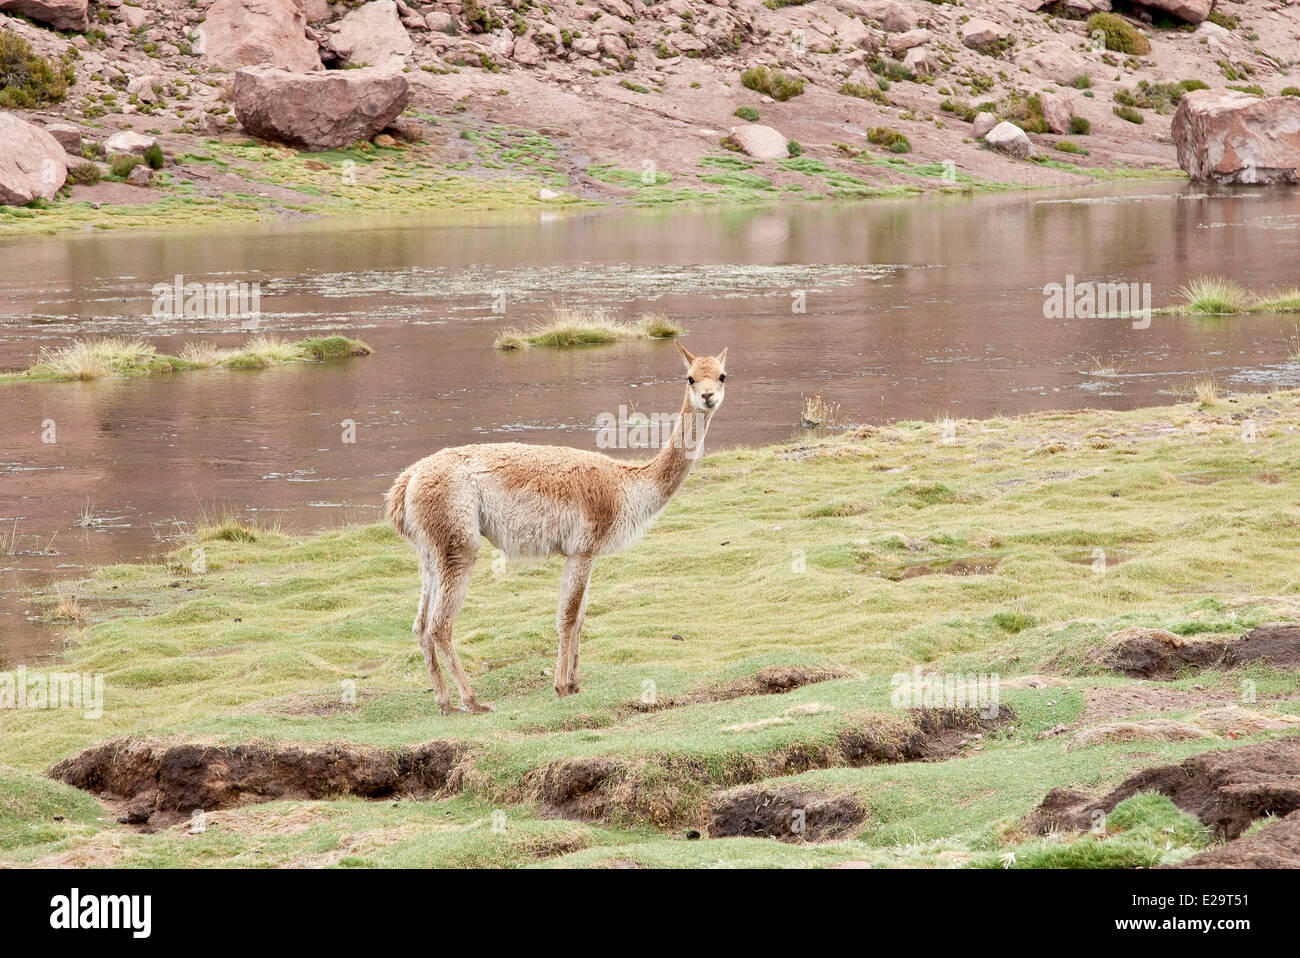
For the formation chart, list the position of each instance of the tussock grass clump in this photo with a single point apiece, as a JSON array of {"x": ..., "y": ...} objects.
[
  {"x": 1215, "y": 294},
  {"x": 774, "y": 83},
  {"x": 587, "y": 326},
  {"x": 889, "y": 138},
  {"x": 1121, "y": 36},
  {"x": 87, "y": 174},
  {"x": 92, "y": 358},
  {"x": 819, "y": 412},
  {"x": 865, "y": 91},
  {"x": 1128, "y": 113}
]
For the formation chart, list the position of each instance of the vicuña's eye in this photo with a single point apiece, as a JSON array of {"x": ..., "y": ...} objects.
[
  {"x": 691, "y": 380},
  {"x": 722, "y": 378}
]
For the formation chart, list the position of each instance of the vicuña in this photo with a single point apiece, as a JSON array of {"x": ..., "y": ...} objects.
[{"x": 537, "y": 501}]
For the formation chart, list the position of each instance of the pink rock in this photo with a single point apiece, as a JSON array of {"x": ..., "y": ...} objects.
[
  {"x": 31, "y": 162},
  {"x": 60, "y": 14},
  {"x": 318, "y": 111},
  {"x": 241, "y": 33},
  {"x": 1229, "y": 137}
]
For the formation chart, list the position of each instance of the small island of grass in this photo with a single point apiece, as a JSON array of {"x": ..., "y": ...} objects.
[
  {"x": 569, "y": 326},
  {"x": 87, "y": 359}
]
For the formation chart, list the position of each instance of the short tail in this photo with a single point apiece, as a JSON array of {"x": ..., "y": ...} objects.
[{"x": 397, "y": 502}]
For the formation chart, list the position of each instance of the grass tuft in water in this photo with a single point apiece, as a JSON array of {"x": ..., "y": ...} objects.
[{"x": 587, "y": 326}]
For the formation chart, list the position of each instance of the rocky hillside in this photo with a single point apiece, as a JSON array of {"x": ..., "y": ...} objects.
[{"x": 870, "y": 95}]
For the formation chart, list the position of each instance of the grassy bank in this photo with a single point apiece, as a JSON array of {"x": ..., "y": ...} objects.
[
  {"x": 970, "y": 547},
  {"x": 232, "y": 180},
  {"x": 88, "y": 359}
]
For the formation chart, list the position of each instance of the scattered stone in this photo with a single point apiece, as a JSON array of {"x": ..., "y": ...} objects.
[
  {"x": 1224, "y": 136},
  {"x": 984, "y": 36},
  {"x": 984, "y": 121},
  {"x": 1192, "y": 11},
  {"x": 760, "y": 142},
  {"x": 128, "y": 141},
  {"x": 902, "y": 42},
  {"x": 1056, "y": 111},
  {"x": 31, "y": 162},
  {"x": 68, "y": 136},
  {"x": 140, "y": 175},
  {"x": 920, "y": 62},
  {"x": 318, "y": 111},
  {"x": 1009, "y": 138}
]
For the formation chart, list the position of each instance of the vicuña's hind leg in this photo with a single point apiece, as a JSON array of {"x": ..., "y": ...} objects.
[
  {"x": 568, "y": 622},
  {"x": 454, "y": 571},
  {"x": 428, "y": 588}
]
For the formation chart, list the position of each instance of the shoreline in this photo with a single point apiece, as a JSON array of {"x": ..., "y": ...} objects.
[{"x": 977, "y": 556}]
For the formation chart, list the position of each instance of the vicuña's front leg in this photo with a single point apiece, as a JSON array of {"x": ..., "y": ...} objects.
[{"x": 568, "y": 621}]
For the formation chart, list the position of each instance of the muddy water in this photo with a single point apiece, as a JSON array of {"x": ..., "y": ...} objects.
[{"x": 911, "y": 310}]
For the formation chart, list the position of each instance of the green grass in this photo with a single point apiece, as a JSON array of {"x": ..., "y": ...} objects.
[
  {"x": 86, "y": 359},
  {"x": 865, "y": 91},
  {"x": 1121, "y": 36},
  {"x": 773, "y": 82},
  {"x": 255, "y": 647},
  {"x": 569, "y": 326},
  {"x": 1218, "y": 295}
]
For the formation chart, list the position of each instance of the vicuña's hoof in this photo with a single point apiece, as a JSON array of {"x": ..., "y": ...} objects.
[
  {"x": 446, "y": 708},
  {"x": 573, "y": 688},
  {"x": 476, "y": 708}
]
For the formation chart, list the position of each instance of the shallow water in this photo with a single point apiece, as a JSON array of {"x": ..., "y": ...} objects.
[{"x": 913, "y": 310}]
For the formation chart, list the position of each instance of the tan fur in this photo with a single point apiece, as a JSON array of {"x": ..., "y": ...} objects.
[{"x": 536, "y": 501}]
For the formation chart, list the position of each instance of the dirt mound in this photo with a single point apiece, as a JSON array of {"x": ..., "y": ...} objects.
[
  {"x": 788, "y": 814},
  {"x": 1156, "y": 654},
  {"x": 1225, "y": 789},
  {"x": 1274, "y": 846},
  {"x": 161, "y": 782},
  {"x": 1276, "y": 644},
  {"x": 1159, "y": 730},
  {"x": 1153, "y": 653},
  {"x": 674, "y": 791}
]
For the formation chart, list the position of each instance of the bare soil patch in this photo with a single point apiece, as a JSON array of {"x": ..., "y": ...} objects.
[
  {"x": 1225, "y": 789},
  {"x": 1156, "y": 654},
  {"x": 771, "y": 680},
  {"x": 159, "y": 783},
  {"x": 785, "y": 813},
  {"x": 1274, "y": 846}
]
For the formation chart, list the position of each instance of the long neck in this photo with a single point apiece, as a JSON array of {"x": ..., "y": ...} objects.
[{"x": 670, "y": 468}]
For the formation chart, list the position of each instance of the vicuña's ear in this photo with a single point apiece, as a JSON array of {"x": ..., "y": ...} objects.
[
  {"x": 722, "y": 359},
  {"x": 686, "y": 354}
]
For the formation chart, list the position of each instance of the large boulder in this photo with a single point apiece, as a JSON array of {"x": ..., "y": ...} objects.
[
  {"x": 372, "y": 35},
  {"x": 921, "y": 62},
  {"x": 318, "y": 111},
  {"x": 59, "y": 14},
  {"x": 760, "y": 142},
  {"x": 243, "y": 33},
  {"x": 31, "y": 162},
  {"x": 984, "y": 121},
  {"x": 1193, "y": 11},
  {"x": 1009, "y": 138},
  {"x": 1228, "y": 137}
]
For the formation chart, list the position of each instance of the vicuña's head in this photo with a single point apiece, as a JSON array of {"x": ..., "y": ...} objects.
[{"x": 705, "y": 378}]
